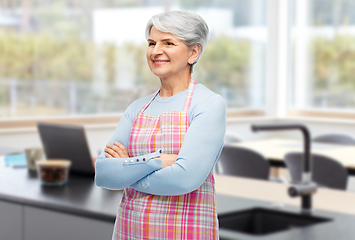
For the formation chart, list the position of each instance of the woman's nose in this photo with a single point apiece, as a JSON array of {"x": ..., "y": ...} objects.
[{"x": 157, "y": 50}]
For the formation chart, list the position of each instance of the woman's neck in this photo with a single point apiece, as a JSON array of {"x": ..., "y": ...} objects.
[{"x": 172, "y": 86}]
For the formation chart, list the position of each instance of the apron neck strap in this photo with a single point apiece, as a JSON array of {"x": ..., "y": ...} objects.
[
  {"x": 188, "y": 98},
  {"x": 189, "y": 94}
]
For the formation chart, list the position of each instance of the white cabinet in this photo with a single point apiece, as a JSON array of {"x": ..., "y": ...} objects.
[
  {"x": 19, "y": 222},
  {"x": 41, "y": 224},
  {"x": 11, "y": 223}
]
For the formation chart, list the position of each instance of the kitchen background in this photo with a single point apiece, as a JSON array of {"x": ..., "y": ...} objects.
[{"x": 272, "y": 61}]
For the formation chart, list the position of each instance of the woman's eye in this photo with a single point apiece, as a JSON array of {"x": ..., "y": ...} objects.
[
  {"x": 169, "y": 43},
  {"x": 151, "y": 44}
]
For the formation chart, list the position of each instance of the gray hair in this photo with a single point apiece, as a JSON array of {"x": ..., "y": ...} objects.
[{"x": 184, "y": 25}]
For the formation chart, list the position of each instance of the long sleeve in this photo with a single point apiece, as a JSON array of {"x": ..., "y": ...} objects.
[
  {"x": 118, "y": 173},
  {"x": 200, "y": 150}
]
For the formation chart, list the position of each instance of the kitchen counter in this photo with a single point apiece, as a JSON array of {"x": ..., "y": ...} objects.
[
  {"x": 341, "y": 227},
  {"x": 80, "y": 199},
  {"x": 78, "y": 210},
  {"x": 324, "y": 199},
  {"x": 79, "y": 196},
  {"x": 235, "y": 194}
]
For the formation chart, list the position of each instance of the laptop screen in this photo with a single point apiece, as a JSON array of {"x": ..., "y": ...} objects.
[{"x": 67, "y": 142}]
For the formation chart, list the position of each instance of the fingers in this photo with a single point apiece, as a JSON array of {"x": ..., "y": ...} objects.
[
  {"x": 113, "y": 151},
  {"x": 116, "y": 151},
  {"x": 108, "y": 155},
  {"x": 123, "y": 148}
]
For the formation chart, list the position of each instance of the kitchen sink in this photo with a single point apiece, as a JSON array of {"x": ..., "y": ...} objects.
[{"x": 261, "y": 221}]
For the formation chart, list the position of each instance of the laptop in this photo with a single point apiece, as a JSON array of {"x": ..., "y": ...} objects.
[{"x": 67, "y": 142}]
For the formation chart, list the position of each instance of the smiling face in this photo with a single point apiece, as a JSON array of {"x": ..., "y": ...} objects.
[{"x": 168, "y": 56}]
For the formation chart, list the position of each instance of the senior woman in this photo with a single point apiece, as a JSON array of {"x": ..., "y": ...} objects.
[{"x": 165, "y": 146}]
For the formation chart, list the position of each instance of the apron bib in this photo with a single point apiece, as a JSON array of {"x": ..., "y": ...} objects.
[{"x": 147, "y": 216}]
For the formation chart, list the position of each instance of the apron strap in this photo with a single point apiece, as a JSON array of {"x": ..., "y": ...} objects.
[
  {"x": 190, "y": 91},
  {"x": 188, "y": 98},
  {"x": 145, "y": 106}
]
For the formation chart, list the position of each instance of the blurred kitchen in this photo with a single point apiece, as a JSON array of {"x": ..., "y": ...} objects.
[{"x": 81, "y": 63}]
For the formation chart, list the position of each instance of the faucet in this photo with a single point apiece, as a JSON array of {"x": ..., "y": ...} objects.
[{"x": 306, "y": 188}]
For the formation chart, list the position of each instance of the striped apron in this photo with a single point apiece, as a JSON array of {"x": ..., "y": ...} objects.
[{"x": 147, "y": 216}]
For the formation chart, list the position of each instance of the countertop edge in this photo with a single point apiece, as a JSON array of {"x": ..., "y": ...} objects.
[{"x": 58, "y": 208}]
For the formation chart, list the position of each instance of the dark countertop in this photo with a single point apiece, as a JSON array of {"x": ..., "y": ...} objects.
[
  {"x": 342, "y": 226},
  {"x": 81, "y": 197}
]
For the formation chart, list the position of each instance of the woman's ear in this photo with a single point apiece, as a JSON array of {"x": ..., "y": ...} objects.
[{"x": 195, "y": 52}]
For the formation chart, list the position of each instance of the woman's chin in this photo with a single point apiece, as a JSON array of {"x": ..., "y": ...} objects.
[{"x": 160, "y": 74}]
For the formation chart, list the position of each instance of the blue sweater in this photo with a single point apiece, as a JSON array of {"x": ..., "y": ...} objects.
[{"x": 199, "y": 152}]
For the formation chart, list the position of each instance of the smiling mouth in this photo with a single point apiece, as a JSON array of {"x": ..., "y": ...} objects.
[{"x": 160, "y": 61}]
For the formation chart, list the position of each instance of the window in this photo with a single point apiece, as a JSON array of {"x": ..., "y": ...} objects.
[
  {"x": 79, "y": 58},
  {"x": 322, "y": 55}
]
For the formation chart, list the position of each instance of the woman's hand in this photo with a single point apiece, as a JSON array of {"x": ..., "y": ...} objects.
[
  {"x": 116, "y": 151},
  {"x": 167, "y": 159},
  {"x": 119, "y": 151}
]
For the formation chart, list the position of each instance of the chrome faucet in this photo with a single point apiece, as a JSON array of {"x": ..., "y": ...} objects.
[{"x": 307, "y": 187}]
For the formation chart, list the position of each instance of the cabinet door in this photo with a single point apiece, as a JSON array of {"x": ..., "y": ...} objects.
[
  {"x": 43, "y": 224},
  {"x": 10, "y": 221}
]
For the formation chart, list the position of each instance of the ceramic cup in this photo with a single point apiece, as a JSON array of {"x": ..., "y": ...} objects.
[{"x": 33, "y": 154}]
